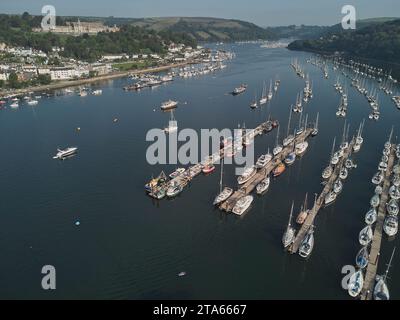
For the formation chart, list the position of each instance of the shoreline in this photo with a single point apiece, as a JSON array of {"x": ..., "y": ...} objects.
[{"x": 79, "y": 82}]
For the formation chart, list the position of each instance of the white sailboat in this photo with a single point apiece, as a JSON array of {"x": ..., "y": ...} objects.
[
  {"x": 289, "y": 138},
  {"x": 264, "y": 97},
  {"x": 315, "y": 130},
  {"x": 172, "y": 125},
  {"x": 381, "y": 291},
  {"x": 288, "y": 236},
  {"x": 225, "y": 193},
  {"x": 278, "y": 148},
  {"x": 270, "y": 94}
]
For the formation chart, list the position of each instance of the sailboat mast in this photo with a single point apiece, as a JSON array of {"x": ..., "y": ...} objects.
[
  {"x": 220, "y": 180},
  {"x": 388, "y": 266},
  {"x": 290, "y": 216},
  {"x": 290, "y": 117}
]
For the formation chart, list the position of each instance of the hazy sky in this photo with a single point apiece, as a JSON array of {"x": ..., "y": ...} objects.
[{"x": 261, "y": 12}]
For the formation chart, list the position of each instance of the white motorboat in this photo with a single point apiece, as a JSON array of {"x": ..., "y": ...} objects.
[
  {"x": 330, "y": 197},
  {"x": 223, "y": 195},
  {"x": 263, "y": 185},
  {"x": 62, "y": 154},
  {"x": 263, "y": 160},
  {"x": 247, "y": 174},
  {"x": 375, "y": 201},
  {"x": 365, "y": 236},
  {"x": 301, "y": 148},
  {"x": 242, "y": 205},
  {"x": 170, "y": 104}
]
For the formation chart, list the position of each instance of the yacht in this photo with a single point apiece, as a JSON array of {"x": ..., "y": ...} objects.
[
  {"x": 254, "y": 105},
  {"x": 170, "y": 104},
  {"x": 330, "y": 197},
  {"x": 315, "y": 130},
  {"x": 278, "y": 148},
  {"x": 343, "y": 173},
  {"x": 247, "y": 174},
  {"x": 365, "y": 236},
  {"x": 242, "y": 205},
  {"x": 269, "y": 96},
  {"x": 362, "y": 258},
  {"x": 307, "y": 244},
  {"x": 263, "y": 160},
  {"x": 223, "y": 195},
  {"x": 62, "y": 154},
  {"x": 390, "y": 225},
  {"x": 291, "y": 157},
  {"x": 394, "y": 192},
  {"x": 263, "y": 185},
  {"x": 289, "y": 137},
  {"x": 289, "y": 235},
  {"x": 242, "y": 88},
  {"x": 392, "y": 207},
  {"x": 327, "y": 172},
  {"x": 177, "y": 173},
  {"x": 375, "y": 201},
  {"x": 32, "y": 102},
  {"x": 301, "y": 148},
  {"x": 377, "y": 178},
  {"x": 264, "y": 97},
  {"x": 338, "y": 186},
  {"x": 371, "y": 216},
  {"x": 302, "y": 216},
  {"x": 356, "y": 284}
]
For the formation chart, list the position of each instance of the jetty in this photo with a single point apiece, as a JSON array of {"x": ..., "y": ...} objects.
[
  {"x": 261, "y": 174},
  {"x": 373, "y": 260},
  {"x": 186, "y": 177},
  {"x": 320, "y": 201}
]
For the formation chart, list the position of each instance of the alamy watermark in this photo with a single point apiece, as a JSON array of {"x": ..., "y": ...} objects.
[
  {"x": 49, "y": 20},
  {"x": 349, "y": 20}
]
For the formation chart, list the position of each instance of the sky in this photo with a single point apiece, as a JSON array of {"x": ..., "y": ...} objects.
[{"x": 261, "y": 12}]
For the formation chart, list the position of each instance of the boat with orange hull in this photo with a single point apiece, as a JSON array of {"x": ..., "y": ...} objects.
[{"x": 279, "y": 170}]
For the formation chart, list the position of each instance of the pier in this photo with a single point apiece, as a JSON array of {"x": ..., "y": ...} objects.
[
  {"x": 261, "y": 174},
  {"x": 372, "y": 268},
  {"x": 184, "y": 178},
  {"x": 320, "y": 201}
]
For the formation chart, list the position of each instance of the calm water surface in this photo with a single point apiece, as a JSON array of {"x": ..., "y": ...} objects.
[{"x": 131, "y": 247}]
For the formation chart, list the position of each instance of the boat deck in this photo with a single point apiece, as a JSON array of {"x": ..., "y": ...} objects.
[
  {"x": 320, "y": 201},
  {"x": 261, "y": 174},
  {"x": 372, "y": 268}
]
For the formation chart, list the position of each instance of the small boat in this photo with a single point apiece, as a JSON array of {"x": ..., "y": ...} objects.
[
  {"x": 390, "y": 225},
  {"x": 288, "y": 236},
  {"x": 177, "y": 173},
  {"x": 365, "y": 236},
  {"x": 307, "y": 244},
  {"x": 356, "y": 283},
  {"x": 32, "y": 102},
  {"x": 291, "y": 158},
  {"x": 327, "y": 172},
  {"x": 263, "y": 160},
  {"x": 301, "y": 148},
  {"x": 338, "y": 186},
  {"x": 377, "y": 178},
  {"x": 62, "y": 154},
  {"x": 375, "y": 201},
  {"x": 254, "y": 104},
  {"x": 170, "y": 104},
  {"x": 97, "y": 92},
  {"x": 330, "y": 197},
  {"x": 174, "y": 190},
  {"x": 394, "y": 192},
  {"x": 242, "y": 205},
  {"x": 223, "y": 195},
  {"x": 343, "y": 173},
  {"x": 392, "y": 207},
  {"x": 154, "y": 183},
  {"x": 158, "y": 193},
  {"x": 378, "y": 190},
  {"x": 182, "y": 274},
  {"x": 381, "y": 291},
  {"x": 14, "y": 105},
  {"x": 335, "y": 158},
  {"x": 371, "y": 216},
  {"x": 362, "y": 258},
  {"x": 302, "y": 216},
  {"x": 242, "y": 88},
  {"x": 263, "y": 185},
  {"x": 208, "y": 168},
  {"x": 315, "y": 130},
  {"x": 279, "y": 170},
  {"x": 247, "y": 174}
]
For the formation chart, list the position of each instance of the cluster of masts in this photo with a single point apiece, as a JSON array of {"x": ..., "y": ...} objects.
[
  {"x": 265, "y": 96},
  {"x": 307, "y": 91},
  {"x": 297, "y": 68}
]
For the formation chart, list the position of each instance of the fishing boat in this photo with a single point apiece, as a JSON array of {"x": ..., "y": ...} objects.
[
  {"x": 371, "y": 216},
  {"x": 381, "y": 291},
  {"x": 264, "y": 97},
  {"x": 330, "y": 197},
  {"x": 356, "y": 283},
  {"x": 177, "y": 173},
  {"x": 62, "y": 154},
  {"x": 263, "y": 160},
  {"x": 391, "y": 225},
  {"x": 394, "y": 192},
  {"x": 392, "y": 207},
  {"x": 247, "y": 174},
  {"x": 289, "y": 235},
  {"x": 174, "y": 190},
  {"x": 343, "y": 173},
  {"x": 375, "y": 201},
  {"x": 279, "y": 170},
  {"x": 242, "y": 205},
  {"x": 170, "y": 104},
  {"x": 307, "y": 244},
  {"x": 362, "y": 258},
  {"x": 263, "y": 185},
  {"x": 365, "y": 236},
  {"x": 302, "y": 216},
  {"x": 278, "y": 148}
]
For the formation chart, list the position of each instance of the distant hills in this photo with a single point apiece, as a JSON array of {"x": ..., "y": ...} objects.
[{"x": 372, "y": 38}]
